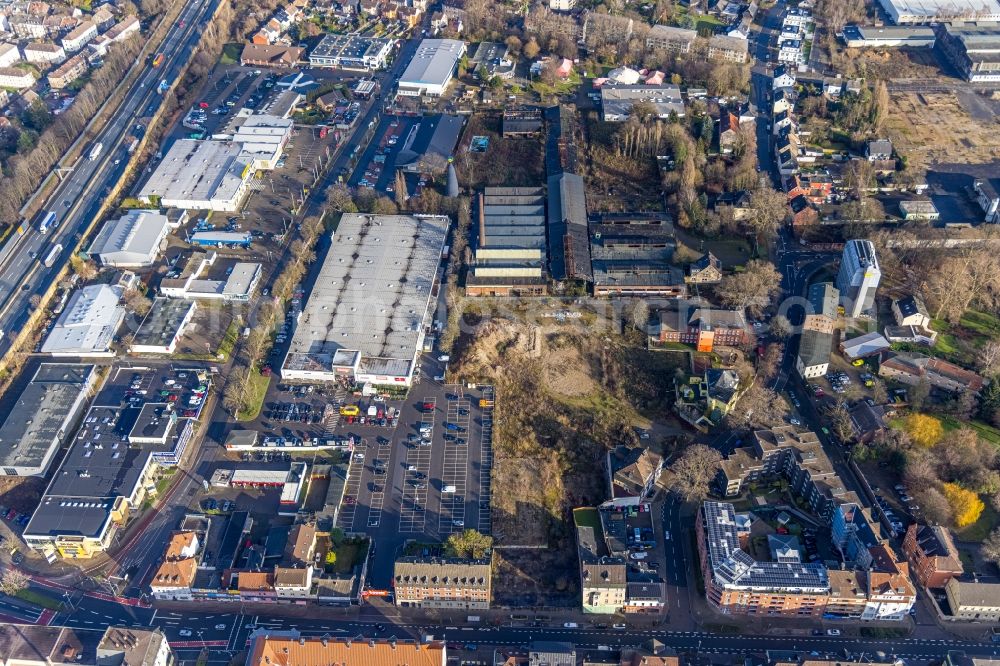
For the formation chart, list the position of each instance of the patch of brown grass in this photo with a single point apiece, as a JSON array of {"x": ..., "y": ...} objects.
[{"x": 931, "y": 128}]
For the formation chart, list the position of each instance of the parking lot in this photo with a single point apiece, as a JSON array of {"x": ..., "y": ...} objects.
[
  {"x": 377, "y": 166},
  {"x": 184, "y": 387},
  {"x": 420, "y": 477}
]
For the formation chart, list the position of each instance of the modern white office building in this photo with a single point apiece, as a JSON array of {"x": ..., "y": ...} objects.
[{"x": 858, "y": 277}]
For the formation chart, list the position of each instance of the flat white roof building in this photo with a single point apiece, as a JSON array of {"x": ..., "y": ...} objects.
[
  {"x": 206, "y": 175},
  {"x": 366, "y": 318},
  {"x": 88, "y": 324},
  {"x": 131, "y": 241},
  {"x": 163, "y": 326},
  {"x": 238, "y": 285},
  {"x": 927, "y": 11},
  {"x": 263, "y": 138},
  {"x": 351, "y": 52},
  {"x": 431, "y": 68}
]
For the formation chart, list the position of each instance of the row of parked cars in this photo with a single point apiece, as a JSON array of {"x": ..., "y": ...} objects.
[
  {"x": 301, "y": 412},
  {"x": 211, "y": 504},
  {"x": 895, "y": 521}
]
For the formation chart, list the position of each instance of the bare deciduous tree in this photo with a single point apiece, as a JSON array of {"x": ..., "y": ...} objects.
[
  {"x": 693, "y": 472},
  {"x": 752, "y": 289}
]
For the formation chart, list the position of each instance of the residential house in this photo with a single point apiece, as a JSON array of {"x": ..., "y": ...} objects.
[
  {"x": 782, "y": 100},
  {"x": 703, "y": 327},
  {"x": 816, "y": 187},
  {"x": 9, "y": 54},
  {"x": 729, "y": 131},
  {"x": 645, "y": 597},
  {"x": 736, "y": 583},
  {"x": 867, "y": 421},
  {"x": 722, "y": 390},
  {"x": 79, "y": 36},
  {"x": 44, "y": 53},
  {"x": 736, "y": 204},
  {"x": 442, "y": 583},
  {"x": 19, "y": 79},
  {"x": 821, "y": 315},
  {"x": 878, "y": 149},
  {"x": 68, "y": 72},
  {"x": 783, "y": 77},
  {"x": 816, "y": 340},
  {"x": 911, "y": 311},
  {"x": 175, "y": 575},
  {"x": 790, "y": 51},
  {"x": 988, "y": 198},
  {"x": 301, "y": 545},
  {"x": 788, "y": 152},
  {"x": 932, "y": 554},
  {"x": 741, "y": 29},
  {"x": 289, "y": 648},
  {"x": 788, "y": 34},
  {"x": 268, "y": 33},
  {"x": 703, "y": 401},
  {"x": 813, "y": 359},
  {"x": 448, "y": 18},
  {"x": 671, "y": 39},
  {"x": 706, "y": 270},
  {"x": 889, "y": 589},
  {"x": 551, "y": 653},
  {"x": 633, "y": 472},
  {"x": 972, "y": 600},
  {"x": 103, "y": 18},
  {"x": 253, "y": 586},
  {"x": 910, "y": 368},
  {"x": 603, "y": 585},
  {"x": 293, "y": 582},
  {"x": 799, "y": 17},
  {"x": 803, "y": 212},
  {"x": 728, "y": 49},
  {"x": 130, "y": 646},
  {"x": 562, "y": 5}
]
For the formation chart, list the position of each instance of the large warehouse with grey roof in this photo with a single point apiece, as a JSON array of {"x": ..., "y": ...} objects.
[
  {"x": 368, "y": 319},
  {"x": 929, "y": 11},
  {"x": 432, "y": 68},
  {"x": 43, "y": 415}
]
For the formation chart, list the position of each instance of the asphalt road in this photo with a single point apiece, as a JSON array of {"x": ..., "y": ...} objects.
[
  {"x": 235, "y": 626},
  {"x": 79, "y": 196}
]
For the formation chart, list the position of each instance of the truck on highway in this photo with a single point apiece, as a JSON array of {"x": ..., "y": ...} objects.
[
  {"x": 163, "y": 87},
  {"x": 53, "y": 254},
  {"x": 158, "y": 60},
  {"x": 95, "y": 151},
  {"x": 48, "y": 221},
  {"x": 132, "y": 146}
]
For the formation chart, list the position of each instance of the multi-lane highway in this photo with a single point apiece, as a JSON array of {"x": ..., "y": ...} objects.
[{"x": 79, "y": 196}]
